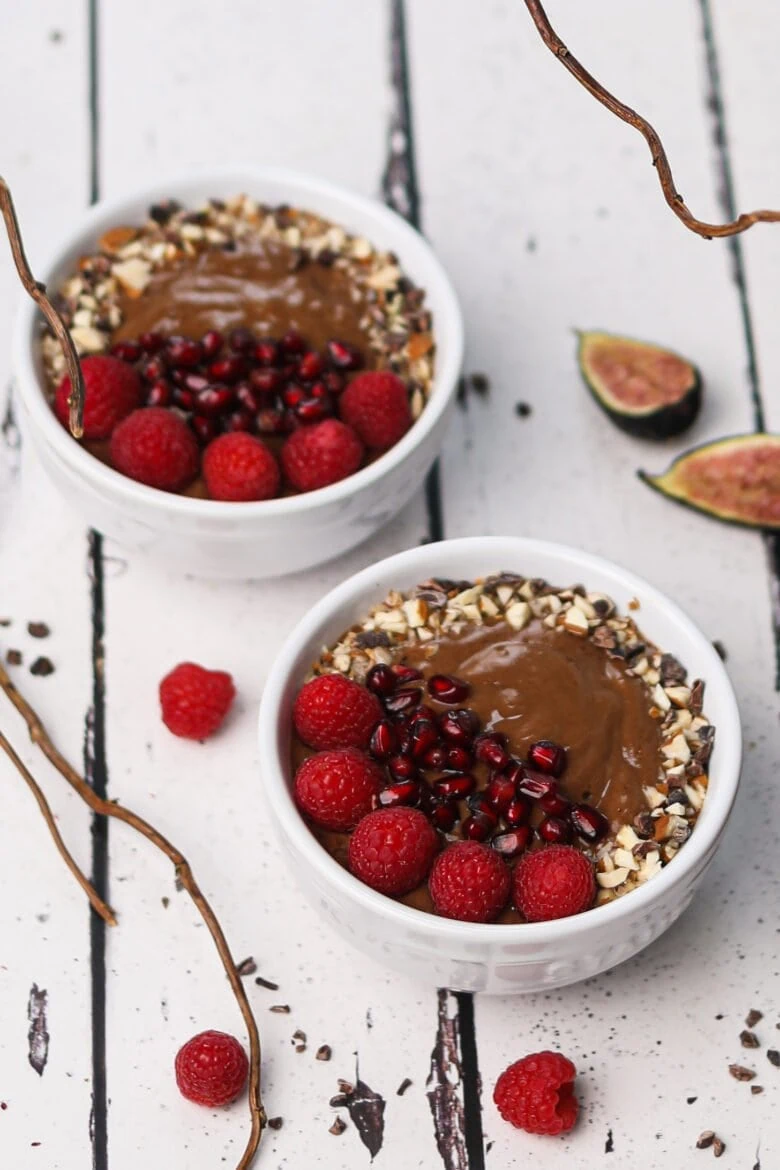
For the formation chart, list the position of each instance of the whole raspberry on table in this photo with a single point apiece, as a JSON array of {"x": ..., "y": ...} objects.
[
  {"x": 211, "y": 1068},
  {"x": 337, "y": 788},
  {"x": 194, "y": 701},
  {"x": 332, "y": 711},
  {"x": 240, "y": 468},
  {"x": 376, "y": 405},
  {"x": 392, "y": 850},
  {"x": 156, "y": 447},
  {"x": 112, "y": 390},
  {"x": 553, "y": 883},
  {"x": 318, "y": 455},
  {"x": 537, "y": 1094},
  {"x": 470, "y": 882}
]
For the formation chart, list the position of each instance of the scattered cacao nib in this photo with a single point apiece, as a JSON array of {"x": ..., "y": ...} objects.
[
  {"x": 720, "y": 649},
  {"x": 696, "y": 701},
  {"x": 282, "y": 1009},
  {"x": 472, "y": 384},
  {"x": 756, "y": 1089},
  {"x": 609, "y": 1145},
  {"x": 480, "y": 383},
  {"x": 166, "y": 902},
  {"x": 636, "y": 651},
  {"x": 162, "y": 212},
  {"x": 753, "y": 1017},
  {"x": 246, "y": 967},
  {"x": 691, "y": 1100},
  {"x": 269, "y": 986},
  {"x": 604, "y": 637},
  {"x": 435, "y": 598},
  {"x": 718, "y": 1146},
  {"x": 275, "y": 1122},
  {"x": 369, "y": 639},
  {"x": 677, "y": 796},
  {"x": 38, "y": 629},
  {"x": 705, "y": 1139},
  {"x": 5, "y": 622},
  {"x": 299, "y": 1040},
  {"x": 740, "y": 1073},
  {"x": 773, "y": 1056},
  {"x": 404, "y": 1085},
  {"x": 748, "y": 1039},
  {"x": 523, "y": 409},
  {"x": 338, "y": 1127},
  {"x": 644, "y": 825},
  {"x": 14, "y": 658},
  {"x": 673, "y": 673},
  {"x": 324, "y": 1052},
  {"x": 42, "y": 666}
]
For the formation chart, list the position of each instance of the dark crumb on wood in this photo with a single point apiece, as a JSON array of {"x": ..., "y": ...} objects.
[
  {"x": 246, "y": 967},
  {"x": 609, "y": 1145},
  {"x": 720, "y": 649},
  {"x": 404, "y": 1085},
  {"x": 523, "y": 409},
  {"x": 14, "y": 658},
  {"x": 269, "y": 986},
  {"x": 338, "y": 1127},
  {"x": 748, "y": 1039},
  {"x": 753, "y": 1017},
  {"x": 773, "y": 1056},
  {"x": 324, "y": 1052},
  {"x": 42, "y": 666},
  {"x": 38, "y": 629},
  {"x": 740, "y": 1073},
  {"x": 275, "y": 1122},
  {"x": 691, "y": 1100},
  {"x": 281, "y": 1009},
  {"x": 756, "y": 1089}
]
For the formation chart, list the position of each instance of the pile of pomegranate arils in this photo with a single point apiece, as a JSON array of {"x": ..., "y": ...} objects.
[
  {"x": 240, "y": 383},
  {"x": 431, "y": 759}
]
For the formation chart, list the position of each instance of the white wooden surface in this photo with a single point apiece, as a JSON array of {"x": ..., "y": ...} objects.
[{"x": 546, "y": 212}]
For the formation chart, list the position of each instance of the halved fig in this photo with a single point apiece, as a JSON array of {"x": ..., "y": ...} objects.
[
  {"x": 647, "y": 391},
  {"x": 735, "y": 479}
]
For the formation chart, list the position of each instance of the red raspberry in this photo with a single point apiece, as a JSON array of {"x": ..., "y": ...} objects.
[
  {"x": 332, "y": 711},
  {"x": 376, "y": 405},
  {"x": 337, "y": 788},
  {"x": 194, "y": 700},
  {"x": 392, "y": 849},
  {"x": 537, "y": 1093},
  {"x": 111, "y": 390},
  {"x": 470, "y": 882},
  {"x": 553, "y": 883},
  {"x": 324, "y": 453},
  {"x": 239, "y": 467},
  {"x": 211, "y": 1069},
  {"x": 156, "y": 447}
]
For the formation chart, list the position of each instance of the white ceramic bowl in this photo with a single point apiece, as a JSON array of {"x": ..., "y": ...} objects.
[
  {"x": 471, "y": 956},
  {"x": 272, "y": 537}
]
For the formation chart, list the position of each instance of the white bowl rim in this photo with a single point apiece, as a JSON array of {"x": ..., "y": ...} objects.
[
  {"x": 449, "y": 323},
  {"x": 702, "y": 840}
]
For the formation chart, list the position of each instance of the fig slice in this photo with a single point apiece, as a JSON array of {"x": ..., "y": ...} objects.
[
  {"x": 736, "y": 479},
  {"x": 647, "y": 391}
]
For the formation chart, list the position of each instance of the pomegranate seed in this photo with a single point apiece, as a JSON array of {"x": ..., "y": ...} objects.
[
  {"x": 454, "y": 787},
  {"x": 554, "y": 804},
  {"x": 159, "y": 394},
  {"x": 490, "y": 748},
  {"x": 476, "y": 828},
  {"x": 310, "y": 366},
  {"x": 227, "y": 369},
  {"x": 588, "y": 822},
  {"x": 266, "y": 353},
  {"x": 205, "y": 429},
  {"x": 480, "y": 806},
  {"x": 448, "y": 689},
  {"x": 513, "y": 842},
  {"x": 381, "y": 679},
  {"x": 344, "y": 356},
  {"x": 443, "y": 817},
  {"x": 313, "y": 410},
  {"x": 405, "y": 674},
  {"x": 126, "y": 351},
  {"x": 424, "y": 736},
  {"x": 384, "y": 741},
  {"x": 213, "y": 400},
  {"x": 292, "y": 395},
  {"x": 292, "y": 342},
  {"x": 554, "y": 831},
  {"x": 435, "y": 758},
  {"x": 151, "y": 342},
  {"x": 319, "y": 390},
  {"x": 184, "y": 399},
  {"x": 246, "y": 396},
  {"x": 404, "y": 739},
  {"x": 423, "y": 714},
  {"x": 500, "y": 793},
  {"x": 193, "y": 382},
  {"x": 404, "y": 792},
  {"x": 402, "y": 768},
  {"x": 241, "y": 340},
  {"x": 239, "y": 420},
  {"x": 459, "y": 726},
  {"x": 183, "y": 351},
  {"x": 547, "y": 756},
  {"x": 154, "y": 369},
  {"x": 265, "y": 381},
  {"x": 333, "y": 381},
  {"x": 459, "y": 759},
  {"x": 535, "y": 784},
  {"x": 212, "y": 343},
  {"x": 403, "y": 701},
  {"x": 270, "y": 422},
  {"x": 518, "y": 812}
]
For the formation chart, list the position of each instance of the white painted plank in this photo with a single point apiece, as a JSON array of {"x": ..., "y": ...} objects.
[
  {"x": 549, "y": 216},
  {"x": 43, "y": 916}
]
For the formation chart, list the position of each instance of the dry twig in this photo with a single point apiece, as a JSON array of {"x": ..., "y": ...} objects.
[
  {"x": 626, "y": 114},
  {"x": 40, "y": 737},
  {"x": 38, "y": 293}
]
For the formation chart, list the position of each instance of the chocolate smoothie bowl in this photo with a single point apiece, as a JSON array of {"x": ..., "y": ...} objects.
[{"x": 496, "y": 757}]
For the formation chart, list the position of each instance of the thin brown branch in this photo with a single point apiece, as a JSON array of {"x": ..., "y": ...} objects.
[
  {"x": 101, "y": 908},
  {"x": 40, "y": 737},
  {"x": 38, "y": 293},
  {"x": 659, "y": 156}
]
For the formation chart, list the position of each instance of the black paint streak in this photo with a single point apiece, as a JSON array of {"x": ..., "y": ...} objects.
[
  {"x": 10, "y": 436},
  {"x": 367, "y": 1113},
  {"x": 609, "y": 1145},
  {"x": 471, "y": 1081},
  {"x": 38, "y": 1034},
  {"x": 401, "y": 191},
  {"x": 443, "y": 1089},
  {"x": 728, "y": 204}
]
